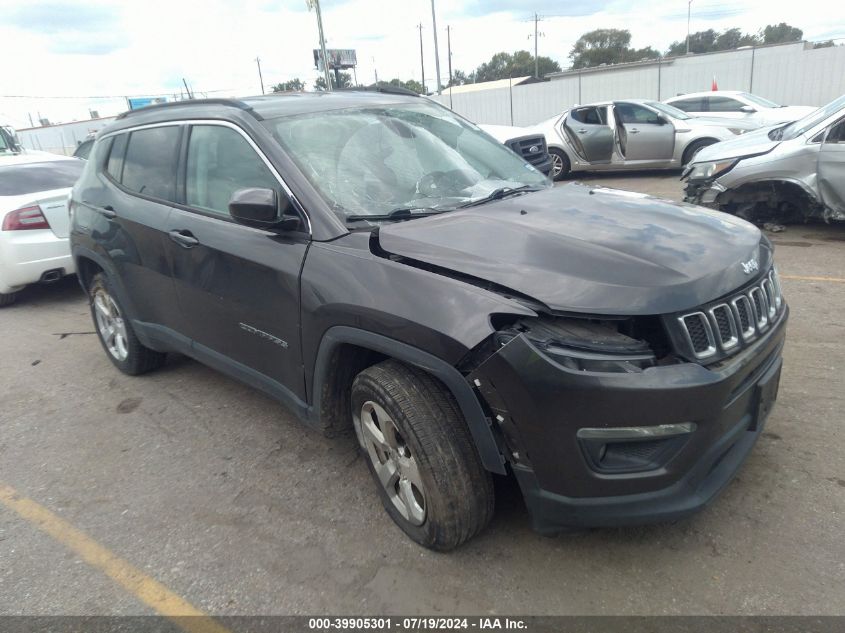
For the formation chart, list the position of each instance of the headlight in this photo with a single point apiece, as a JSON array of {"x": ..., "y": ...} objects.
[
  {"x": 583, "y": 345},
  {"x": 706, "y": 171}
]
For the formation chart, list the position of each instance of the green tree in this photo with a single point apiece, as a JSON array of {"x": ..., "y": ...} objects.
[
  {"x": 779, "y": 33},
  {"x": 345, "y": 82},
  {"x": 607, "y": 46},
  {"x": 519, "y": 64},
  {"x": 734, "y": 38},
  {"x": 290, "y": 86},
  {"x": 459, "y": 78},
  {"x": 699, "y": 42},
  {"x": 411, "y": 84}
]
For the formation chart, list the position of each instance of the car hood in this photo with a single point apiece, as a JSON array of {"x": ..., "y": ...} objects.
[
  {"x": 736, "y": 124},
  {"x": 588, "y": 249},
  {"x": 786, "y": 113},
  {"x": 748, "y": 144}
]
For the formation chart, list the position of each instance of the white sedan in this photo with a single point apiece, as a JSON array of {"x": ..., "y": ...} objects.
[
  {"x": 736, "y": 105},
  {"x": 34, "y": 187}
]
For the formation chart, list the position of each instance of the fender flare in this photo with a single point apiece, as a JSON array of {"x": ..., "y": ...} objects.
[
  {"x": 477, "y": 421},
  {"x": 80, "y": 252}
]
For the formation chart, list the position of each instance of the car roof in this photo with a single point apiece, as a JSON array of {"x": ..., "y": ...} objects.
[
  {"x": 263, "y": 106},
  {"x": 611, "y": 102},
  {"x": 706, "y": 93}
]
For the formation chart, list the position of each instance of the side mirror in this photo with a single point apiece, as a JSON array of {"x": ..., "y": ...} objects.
[
  {"x": 260, "y": 208},
  {"x": 748, "y": 109}
]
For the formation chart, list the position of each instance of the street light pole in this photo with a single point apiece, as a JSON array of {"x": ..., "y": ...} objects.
[
  {"x": 436, "y": 52},
  {"x": 315, "y": 4},
  {"x": 689, "y": 11},
  {"x": 422, "y": 63},
  {"x": 260, "y": 78}
]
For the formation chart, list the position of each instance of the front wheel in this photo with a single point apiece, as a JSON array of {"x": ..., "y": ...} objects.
[
  {"x": 421, "y": 456},
  {"x": 693, "y": 149},
  {"x": 560, "y": 164},
  {"x": 115, "y": 331}
]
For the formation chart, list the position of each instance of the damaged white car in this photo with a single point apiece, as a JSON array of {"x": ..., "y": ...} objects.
[{"x": 786, "y": 173}]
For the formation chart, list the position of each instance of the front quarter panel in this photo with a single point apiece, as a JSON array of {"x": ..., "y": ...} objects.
[{"x": 345, "y": 284}]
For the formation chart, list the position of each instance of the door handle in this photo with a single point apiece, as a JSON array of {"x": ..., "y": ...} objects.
[
  {"x": 184, "y": 238},
  {"x": 582, "y": 131},
  {"x": 107, "y": 211},
  {"x": 633, "y": 130}
]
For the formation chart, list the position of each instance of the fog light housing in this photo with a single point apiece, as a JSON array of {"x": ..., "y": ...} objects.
[{"x": 617, "y": 450}]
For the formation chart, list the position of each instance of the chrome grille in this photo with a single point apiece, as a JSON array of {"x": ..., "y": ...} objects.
[{"x": 723, "y": 328}]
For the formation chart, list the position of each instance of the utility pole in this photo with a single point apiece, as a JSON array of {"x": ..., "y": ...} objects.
[
  {"x": 689, "y": 11},
  {"x": 436, "y": 52},
  {"x": 315, "y": 4},
  {"x": 449, "y": 50},
  {"x": 537, "y": 36},
  {"x": 422, "y": 63},
  {"x": 260, "y": 78}
]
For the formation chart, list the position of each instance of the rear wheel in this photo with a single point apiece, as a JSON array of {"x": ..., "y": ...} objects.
[
  {"x": 560, "y": 164},
  {"x": 421, "y": 456},
  {"x": 7, "y": 298},
  {"x": 115, "y": 331}
]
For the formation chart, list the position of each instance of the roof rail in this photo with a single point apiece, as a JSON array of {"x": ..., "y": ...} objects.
[
  {"x": 385, "y": 88},
  {"x": 234, "y": 103}
]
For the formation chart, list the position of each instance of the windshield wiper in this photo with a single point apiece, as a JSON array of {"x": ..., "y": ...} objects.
[
  {"x": 498, "y": 194},
  {"x": 402, "y": 213}
]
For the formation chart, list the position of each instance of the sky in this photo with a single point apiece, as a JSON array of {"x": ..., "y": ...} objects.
[{"x": 96, "y": 48}]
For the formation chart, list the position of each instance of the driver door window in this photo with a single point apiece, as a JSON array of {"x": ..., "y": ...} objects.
[
  {"x": 221, "y": 161},
  {"x": 724, "y": 104}
]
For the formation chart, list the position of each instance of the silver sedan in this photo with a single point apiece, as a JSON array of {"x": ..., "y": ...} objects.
[{"x": 630, "y": 134}]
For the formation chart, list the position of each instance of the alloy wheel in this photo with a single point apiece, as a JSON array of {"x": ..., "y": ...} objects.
[
  {"x": 110, "y": 325},
  {"x": 557, "y": 165},
  {"x": 395, "y": 466}
]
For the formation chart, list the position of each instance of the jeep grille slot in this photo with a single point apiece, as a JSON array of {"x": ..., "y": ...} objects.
[
  {"x": 720, "y": 329},
  {"x": 699, "y": 333}
]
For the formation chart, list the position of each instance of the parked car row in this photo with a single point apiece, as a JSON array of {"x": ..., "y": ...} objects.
[{"x": 630, "y": 134}]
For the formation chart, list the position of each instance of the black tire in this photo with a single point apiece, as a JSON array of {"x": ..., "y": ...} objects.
[
  {"x": 456, "y": 489},
  {"x": 7, "y": 299},
  {"x": 561, "y": 172},
  {"x": 138, "y": 359},
  {"x": 693, "y": 149}
]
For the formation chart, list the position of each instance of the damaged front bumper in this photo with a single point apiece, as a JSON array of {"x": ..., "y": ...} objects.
[
  {"x": 608, "y": 449},
  {"x": 703, "y": 192}
]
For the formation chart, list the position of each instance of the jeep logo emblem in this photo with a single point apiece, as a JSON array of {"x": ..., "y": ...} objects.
[
  {"x": 750, "y": 266},
  {"x": 533, "y": 149}
]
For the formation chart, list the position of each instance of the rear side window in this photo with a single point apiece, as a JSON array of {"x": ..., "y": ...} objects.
[
  {"x": 20, "y": 180},
  {"x": 591, "y": 116},
  {"x": 221, "y": 161},
  {"x": 115, "y": 164},
  {"x": 690, "y": 105},
  {"x": 837, "y": 133},
  {"x": 724, "y": 104},
  {"x": 149, "y": 167}
]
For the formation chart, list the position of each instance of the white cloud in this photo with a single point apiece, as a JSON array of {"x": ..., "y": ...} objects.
[{"x": 90, "y": 47}]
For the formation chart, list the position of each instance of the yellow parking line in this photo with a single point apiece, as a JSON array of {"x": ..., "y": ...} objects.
[
  {"x": 839, "y": 280},
  {"x": 146, "y": 589}
]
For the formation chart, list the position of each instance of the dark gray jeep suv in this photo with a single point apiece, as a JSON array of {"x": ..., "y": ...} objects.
[{"x": 377, "y": 263}]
